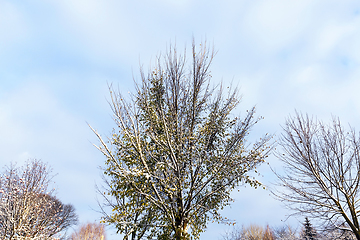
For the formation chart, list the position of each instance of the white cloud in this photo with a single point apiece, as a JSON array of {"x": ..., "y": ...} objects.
[
  {"x": 308, "y": 75},
  {"x": 176, "y": 3},
  {"x": 13, "y": 27},
  {"x": 332, "y": 35},
  {"x": 275, "y": 24},
  {"x": 110, "y": 30}
]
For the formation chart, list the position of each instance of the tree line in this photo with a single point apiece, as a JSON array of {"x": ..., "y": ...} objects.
[
  {"x": 286, "y": 232},
  {"x": 178, "y": 150}
]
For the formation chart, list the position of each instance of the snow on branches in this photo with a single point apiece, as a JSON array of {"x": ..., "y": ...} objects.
[{"x": 28, "y": 208}]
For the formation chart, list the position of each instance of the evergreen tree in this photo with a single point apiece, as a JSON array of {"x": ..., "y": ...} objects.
[{"x": 309, "y": 232}]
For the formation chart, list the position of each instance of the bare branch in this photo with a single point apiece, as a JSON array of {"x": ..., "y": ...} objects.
[{"x": 322, "y": 167}]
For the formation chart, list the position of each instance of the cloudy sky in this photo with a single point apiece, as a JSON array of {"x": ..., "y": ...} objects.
[{"x": 57, "y": 57}]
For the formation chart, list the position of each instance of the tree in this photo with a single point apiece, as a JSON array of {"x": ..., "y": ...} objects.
[
  {"x": 177, "y": 151},
  {"x": 338, "y": 234},
  {"x": 321, "y": 177},
  {"x": 268, "y": 234},
  {"x": 28, "y": 210},
  {"x": 90, "y": 231},
  {"x": 309, "y": 232},
  {"x": 252, "y": 232},
  {"x": 285, "y": 233}
]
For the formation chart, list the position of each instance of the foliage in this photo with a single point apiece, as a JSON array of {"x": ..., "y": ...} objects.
[
  {"x": 28, "y": 210},
  {"x": 322, "y": 172},
  {"x": 90, "y": 231},
  {"x": 177, "y": 151}
]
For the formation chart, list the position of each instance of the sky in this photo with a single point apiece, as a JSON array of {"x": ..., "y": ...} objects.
[{"x": 57, "y": 59}]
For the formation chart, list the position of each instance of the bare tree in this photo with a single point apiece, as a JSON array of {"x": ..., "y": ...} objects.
[
  {"x": 285, "y": 233},
  {"x": 252, "y": 232},
  {"x": 28, "y": 209},
  {"x": 178, "y": 150},
  {"x": 322, "y": 167},
  {"x": 90, "y": 231},
  {"x": 337, "y": 234},
  {"x": 268, "y": 234}
]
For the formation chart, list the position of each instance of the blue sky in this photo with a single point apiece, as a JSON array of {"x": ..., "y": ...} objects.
[{"x": 57, "y": 57}]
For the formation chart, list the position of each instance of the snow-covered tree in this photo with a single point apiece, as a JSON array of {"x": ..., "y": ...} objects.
[
  {"x": 285, "y": 233},
  {"x": 28, "y": 208},
  {"x": 309, "y": 233}
]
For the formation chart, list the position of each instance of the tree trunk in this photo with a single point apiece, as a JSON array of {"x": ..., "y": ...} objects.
[
  {"x": 181, "y": 234},
  {"x": 181, "y": 229},
  {"x": 357, "y": 235}
]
